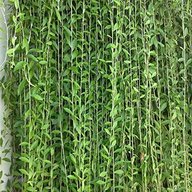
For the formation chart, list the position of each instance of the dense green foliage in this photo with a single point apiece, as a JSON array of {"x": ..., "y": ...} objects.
[{"x": 98, "y": 94}]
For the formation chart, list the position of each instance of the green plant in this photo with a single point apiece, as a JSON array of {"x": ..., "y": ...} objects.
[{"x": 99, "y": 96}]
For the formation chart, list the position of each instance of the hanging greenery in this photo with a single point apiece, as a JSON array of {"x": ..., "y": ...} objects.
[{"x": 98, "y": 95}]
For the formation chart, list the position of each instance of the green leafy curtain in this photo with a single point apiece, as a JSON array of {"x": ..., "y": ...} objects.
[{"x": 98, "y": 95}]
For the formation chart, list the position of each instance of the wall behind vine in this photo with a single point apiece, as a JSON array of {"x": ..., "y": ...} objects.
[
  {"x": 4, "y": 132},
  {"x": 98, "y": 95}
]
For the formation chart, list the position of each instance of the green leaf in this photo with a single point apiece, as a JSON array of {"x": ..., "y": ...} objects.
[
  {"x": 21, "y": 86},
  {"x": 115, "y": 27},
  {"x": 180, "y": 59},
  {"x": 67, "y": 30},
  {"x": 24, "y": 143},
  {"x": 117, "y": 2},
  {"x": 46, "y": 126},
  {"x": 37, "y": 97},
  {"x": 100, "y": 182},
  {"x": 73, "y": 44},
  {"x": 163, "y": 106},
  {"x": 119, "y": 172},
  {"x": 43, "y": 62},
  {"x": 185, "y": 32},
  {"x": 103, "y": 174},
  {"x": 19, "y": 65},
  {"x": 32, "y": 189},
  {"x": 1, "y": 142},
  {"x": 72, "y": 177},
  {"x": 107, "y": 131},
  {"x": 25, "y": 45},
  {"x": 34, "y": 145},
  {"x": 66, "y": 99},
  {"x": 111, "y": 45},
  {"x": 58, "y": 15},
  {"x": 24, "y": 159},
  {"x": 6, "y": 159},
  {"x": 16, "y": 2},
  {"x": 73, "y": 159},
  {"x": 32, "y": 57},
  {"x": 68, "y": 111},
  {"x": 67, "y": 58},
  {"x": 47, "y": 161},
  {"x": 113, "y": 143},
  {"x": 23, "y": 171},
  {"x": 49, "y": 43}
]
